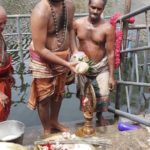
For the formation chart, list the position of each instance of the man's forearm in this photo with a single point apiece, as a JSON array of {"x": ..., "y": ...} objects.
[
  {"x": 73, "y": 43},
  {"x": 50, "y": 57},
  {"x": 111, "y": 72},
  {"x": 111, "y": 65}
]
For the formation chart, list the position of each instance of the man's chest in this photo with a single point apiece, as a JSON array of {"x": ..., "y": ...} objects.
[
  {"x": 91, "y": 33},
  {"x": 58, "y": 22}
]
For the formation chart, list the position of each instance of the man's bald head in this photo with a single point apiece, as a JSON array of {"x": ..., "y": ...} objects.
[
  {"x": 3, "y": 18},
  {"x": 2, "y": 11}
]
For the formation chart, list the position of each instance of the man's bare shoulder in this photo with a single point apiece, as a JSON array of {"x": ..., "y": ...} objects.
[
  {"x": 77, "y": 23},
  {"x": 70, "y": 6},
  {"x": 70, "y": 2},
  {"x": 108, "y": 25},
  {"x": 80, "y": 21},
  {"x": 41, "y": 9},
  {"x": 108, "y": 28}
]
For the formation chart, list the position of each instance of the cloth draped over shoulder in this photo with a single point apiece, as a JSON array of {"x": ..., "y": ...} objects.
[
  {"x": 100, "y": 67},
  {"x": 48, "y": 78}
]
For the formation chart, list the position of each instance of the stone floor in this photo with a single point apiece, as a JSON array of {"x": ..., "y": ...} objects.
[{"x": 113, "y": 139}]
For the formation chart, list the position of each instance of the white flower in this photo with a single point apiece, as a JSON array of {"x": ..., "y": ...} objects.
[
  {"x": 79, "y": 56},
  {"x": 82, "y": 67},
  {"x": 66, "y": 135}
]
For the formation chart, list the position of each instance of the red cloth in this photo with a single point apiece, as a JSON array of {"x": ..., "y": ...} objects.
[
  {"x": 5, "y": 87},
  {"x": 119, "y": 36},
  {"x": 7, "y": 68}
]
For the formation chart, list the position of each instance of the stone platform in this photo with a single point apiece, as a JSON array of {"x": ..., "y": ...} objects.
[{"x": 112, "y": 138}]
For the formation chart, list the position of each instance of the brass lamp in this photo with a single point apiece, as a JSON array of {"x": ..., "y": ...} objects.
[{"x": 89, "y": 104}]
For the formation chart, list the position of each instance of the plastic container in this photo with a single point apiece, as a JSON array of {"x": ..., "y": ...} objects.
[{"x": 125, "y": 126}]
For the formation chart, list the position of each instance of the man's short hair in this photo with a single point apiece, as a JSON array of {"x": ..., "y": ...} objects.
[{"x": 105, "y": 2}]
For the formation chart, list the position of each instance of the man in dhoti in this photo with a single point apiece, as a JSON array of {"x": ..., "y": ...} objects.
[
  {"x": 97, "y": 40},
  {"x": 51, "y": 27}
]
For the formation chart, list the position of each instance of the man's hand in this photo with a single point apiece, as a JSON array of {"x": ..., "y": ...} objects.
[
  {"x": 72, "y": 66},
  {"x": 3, "y": 99},
  {"x": 112, "y": 83}
]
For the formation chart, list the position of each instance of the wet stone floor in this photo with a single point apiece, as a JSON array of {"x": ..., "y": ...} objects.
[{"x": 109, "y": 136}]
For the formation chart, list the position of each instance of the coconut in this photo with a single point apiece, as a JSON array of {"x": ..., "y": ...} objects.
[{"x": 82, "y": 67}]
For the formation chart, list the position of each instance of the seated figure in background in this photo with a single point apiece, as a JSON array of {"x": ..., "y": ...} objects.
[{"x": 6, "y": 70}]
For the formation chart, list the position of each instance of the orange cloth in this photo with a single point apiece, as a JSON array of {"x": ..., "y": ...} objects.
[
  {"x": 49, "y": 78},
  {"x": 41, "y": 69},
  {"x": 45, "y": 87},
  {"x": 7, "y": 68}
]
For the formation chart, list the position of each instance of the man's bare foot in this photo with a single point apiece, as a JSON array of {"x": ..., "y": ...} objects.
[
  {"x": 58, "y": 126},
  {"x": 102, "y": 122},
  {"x": 46, "y": 134}
]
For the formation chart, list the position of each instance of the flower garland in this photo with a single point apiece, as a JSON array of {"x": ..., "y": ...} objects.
[{"x": 119, "y": 35}]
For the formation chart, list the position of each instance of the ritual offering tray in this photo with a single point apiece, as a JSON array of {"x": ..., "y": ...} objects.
[
  {"x": 63, "y": 146},
  {"x": 68, "y": 141},
  {"x": 64, "y": 141}
]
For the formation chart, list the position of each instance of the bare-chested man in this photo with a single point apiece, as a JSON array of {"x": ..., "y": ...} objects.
[
  {"x": 51, "y": 28},
  {"x": 97, "y": 39}
]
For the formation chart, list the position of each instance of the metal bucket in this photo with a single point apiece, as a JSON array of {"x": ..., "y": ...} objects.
[{"x": 12, "y": 131}]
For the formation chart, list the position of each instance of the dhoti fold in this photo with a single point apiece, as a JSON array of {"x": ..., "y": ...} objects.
[
  {"x": 48, "y": 79},
  {"x": 96, "y": 69},
  {"x": 98, "y": 77}
]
